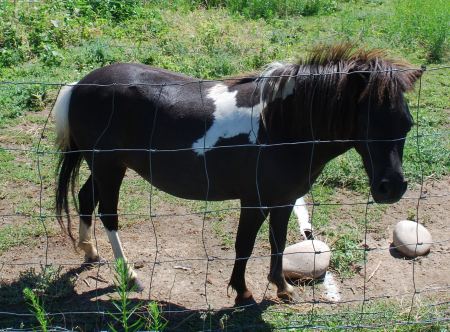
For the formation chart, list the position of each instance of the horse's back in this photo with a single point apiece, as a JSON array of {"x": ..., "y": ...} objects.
[
  {"x": 133, "y": 73},
  {"x": 125, "y": 98}
]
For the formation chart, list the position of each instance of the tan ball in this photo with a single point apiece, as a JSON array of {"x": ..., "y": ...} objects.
[
  {"x": 407, "y": 234},
  {"x": 306, "y": 260}
]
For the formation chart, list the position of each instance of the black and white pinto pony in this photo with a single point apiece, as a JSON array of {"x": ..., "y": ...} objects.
[{"x": 262, "y": 139}]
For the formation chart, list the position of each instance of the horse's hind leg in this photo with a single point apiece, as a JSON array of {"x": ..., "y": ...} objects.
[
  {"x": 88, "y": 200},
  {"x": 249, "y": 223},
  {"x": 279, "y": 218},
  {"x": 108, "y": 180}
]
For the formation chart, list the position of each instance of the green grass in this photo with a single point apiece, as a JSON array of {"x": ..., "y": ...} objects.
[
  {"x": 383, "y": 316},
  {"x": 19, "y": 234},
  {"x": 421, "y": 24}
]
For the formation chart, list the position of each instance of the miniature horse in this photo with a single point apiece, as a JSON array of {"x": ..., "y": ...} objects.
[{"x": 262, "y": 139}]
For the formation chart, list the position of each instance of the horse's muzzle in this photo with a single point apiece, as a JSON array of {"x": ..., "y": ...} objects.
[{"x": 389, "y": 191}]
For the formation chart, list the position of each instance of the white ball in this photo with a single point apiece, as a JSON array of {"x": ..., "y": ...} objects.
[
  {"x": 306, "y": 260},
  {"x": 407, "y": 234}
]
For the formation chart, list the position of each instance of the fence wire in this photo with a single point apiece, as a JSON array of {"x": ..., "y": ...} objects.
[{"x": 314, "y": 313}]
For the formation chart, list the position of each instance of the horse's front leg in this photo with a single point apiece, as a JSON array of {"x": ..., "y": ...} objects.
[
  {"x": 279, "y": 218},
  {"x": 249, "y": 223}
]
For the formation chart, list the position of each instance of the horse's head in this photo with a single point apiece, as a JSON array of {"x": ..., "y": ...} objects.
[
  {"x": 341, "y": 92},
  {"x": 383, "y": 122}
]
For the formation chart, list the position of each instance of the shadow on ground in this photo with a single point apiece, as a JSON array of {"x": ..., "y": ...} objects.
[{"x": 74, "y": 311}]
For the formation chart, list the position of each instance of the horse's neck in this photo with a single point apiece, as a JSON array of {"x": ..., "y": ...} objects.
[
  {"x": 309, "y": 163},
  {"x": 304, "y": 134},
  {"x": 295, "y": 119}
]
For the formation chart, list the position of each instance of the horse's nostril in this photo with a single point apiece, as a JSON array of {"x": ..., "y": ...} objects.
[{"x": 384, "y": 187}]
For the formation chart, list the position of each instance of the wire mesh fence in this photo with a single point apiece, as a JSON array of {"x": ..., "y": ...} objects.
[{"x": 189, "y": 284}]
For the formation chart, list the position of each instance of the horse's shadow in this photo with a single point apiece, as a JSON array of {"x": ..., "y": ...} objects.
[{"x": 93, "y": 310}]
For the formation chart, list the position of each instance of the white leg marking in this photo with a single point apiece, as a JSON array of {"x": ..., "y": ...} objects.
[
  {"x": 302, "y": 214},
  {"x": 85, "y": 241},
  {"x": 116, "y": 245},
  {"x": 229, "y": 120}
]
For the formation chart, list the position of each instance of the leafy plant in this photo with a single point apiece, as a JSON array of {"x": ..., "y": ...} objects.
[
  {"x": 126, "y": 309},
  {"x": 275, "y": 8},
  {"x": 155, "y": 321},
  {"x": 37, "y": 308},
  {"x": 31, "y": 98},
  {"x": 11, "y": 46},
  {"x": 127, "y": 315},
  {"x": 114, "y": 10}
]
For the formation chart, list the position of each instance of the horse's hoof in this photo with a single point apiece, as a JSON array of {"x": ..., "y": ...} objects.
[
  {"x": 135, "y": 285},
  {"x": 288, "y": 297},
  {"x": 244, "y": 299},
  {"x": 89, "y": 261}
]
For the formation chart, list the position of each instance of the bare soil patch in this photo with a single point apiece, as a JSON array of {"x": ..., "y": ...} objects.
[{"x": 185, "y": 266}]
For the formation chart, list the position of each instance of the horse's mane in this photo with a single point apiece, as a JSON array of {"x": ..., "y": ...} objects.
[
  {"x": 387, "y": 77},
  {"x": 332, "y": 79}
]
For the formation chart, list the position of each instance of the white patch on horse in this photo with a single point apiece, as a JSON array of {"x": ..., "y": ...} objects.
[
  {"x": 61, "y": 114},
  {"x": 271, "y": 82},
  {"x": 229, "y": 119}
]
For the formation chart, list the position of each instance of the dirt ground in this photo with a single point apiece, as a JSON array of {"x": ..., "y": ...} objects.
[{"x": 183, "y": 277}]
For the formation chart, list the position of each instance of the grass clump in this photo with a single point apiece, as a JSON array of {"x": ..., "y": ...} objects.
[
  {"x": 48, "y": 282},
  {"x": 346, "y": 253}
]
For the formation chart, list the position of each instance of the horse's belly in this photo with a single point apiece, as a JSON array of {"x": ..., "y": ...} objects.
[{"x": 186, "y": 175}]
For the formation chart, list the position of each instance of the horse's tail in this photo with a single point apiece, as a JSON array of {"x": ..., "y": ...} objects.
[{"x": 69, "y": 160}]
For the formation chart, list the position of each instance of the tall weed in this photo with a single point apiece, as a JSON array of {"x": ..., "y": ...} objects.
[
  {"x": 37, "y": 308},
  {"x": 127, "y": 317}
]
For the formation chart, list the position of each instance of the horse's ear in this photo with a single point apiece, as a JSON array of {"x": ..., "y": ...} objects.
[{"x": 410, "y": 76}]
